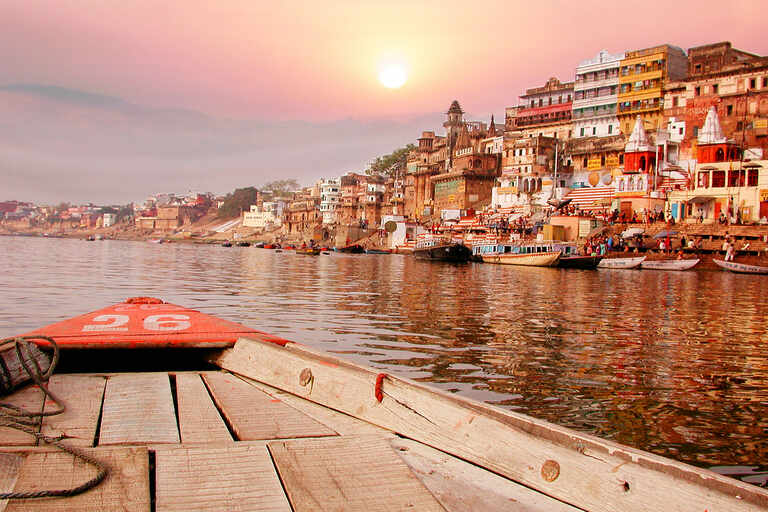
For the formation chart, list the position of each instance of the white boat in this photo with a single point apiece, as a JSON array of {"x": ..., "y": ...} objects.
[
  {"x": 669, "y": 264},
  {"x": 625, "y": 263},
  {"x": 740, "y": 268}
]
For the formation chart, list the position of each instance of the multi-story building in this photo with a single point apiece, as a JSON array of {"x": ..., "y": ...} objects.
[
  {"x": 735, "y": 83},
  {"x": 642, "y": 76},
  {"x": 469, "y": 182},
  {"x": 330, "y": 196},
  {"x": 595, "y": 96},
  {"x": 544, "y": 111},
  {"x": 724, "y": 182}
]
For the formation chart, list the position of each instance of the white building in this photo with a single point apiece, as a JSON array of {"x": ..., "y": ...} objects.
[
  {"x": 261, "y": 217},
  {"x": 330, "y": 196},
  {"x": 595, "y": 96},
  {"x": 109, "y": 219}
]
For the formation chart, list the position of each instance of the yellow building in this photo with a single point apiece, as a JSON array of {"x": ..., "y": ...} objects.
[{"x": 642, "y": 75}]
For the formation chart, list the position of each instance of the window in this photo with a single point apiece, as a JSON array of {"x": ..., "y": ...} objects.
[
  {"x": 715, "y": 88},
  {"x": 729, "y": 110},
  {"x": 698, "y": 68},
  {"x": 569, "y": 97},
  {"x": 581, "y": 133},
  {"x": 610, "y": 128},
  {"x": 697, "y": 91},
  {"x": 584, "y": 163},
  {"x": 765, "y": 81},
  {"x": 621, "y": 158},
  {"x": 718, "y": 178},
  {"x": 594, "y": 130},
  {"x": 674, "y": 101},
  {"x": 752, "y": 178},
  {"x": 752, "y": 83},
  {"x": 703, "y": 179},
  {"x": 602, "y": 160}
]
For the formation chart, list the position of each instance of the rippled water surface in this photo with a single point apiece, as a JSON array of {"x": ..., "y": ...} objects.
[{"x": 674, "y": 363}]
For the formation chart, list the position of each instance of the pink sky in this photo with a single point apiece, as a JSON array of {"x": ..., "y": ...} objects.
[{"x": 318, "y": 60}]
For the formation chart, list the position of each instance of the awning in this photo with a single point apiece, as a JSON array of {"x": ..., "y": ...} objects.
[{"x": 700, "y": 199}]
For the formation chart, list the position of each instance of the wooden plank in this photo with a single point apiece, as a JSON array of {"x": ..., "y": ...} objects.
[
  {"x": 343, "y": 424},
  {"x": 199, "y": 420},
  {"x": 82, "y": 399},
  {"x": 575, "y": 468},
  {"x": 234, "y": 477},
  {"x": 254, "y": 415},
  {"x": 461, "y": 486},
  {"x": 348, "y": 473},
  {"x": 138, "y": 409},
  {"x": 9, "y": 472},
  {"x": 29, "y": 398},
  {"x": 126, "y": 488}
]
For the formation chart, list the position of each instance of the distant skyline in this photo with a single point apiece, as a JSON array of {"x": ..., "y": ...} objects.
[{"x": 237, "y": 92}]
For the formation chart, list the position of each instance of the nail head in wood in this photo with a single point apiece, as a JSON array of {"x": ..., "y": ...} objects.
[
  {"x": 550, "y": 470},
  {"x": 305, "y": 377}
]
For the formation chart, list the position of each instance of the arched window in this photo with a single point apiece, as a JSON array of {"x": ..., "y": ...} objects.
[
  {"x": 719, "y": 155},
  {"x": 585, "y": 162},
  {"x": 631, "y": 184},
  {"x": 621, "y": 185}
]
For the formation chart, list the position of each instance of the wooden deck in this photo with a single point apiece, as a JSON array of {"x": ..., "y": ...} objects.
[{"x": 215, "y": 441}]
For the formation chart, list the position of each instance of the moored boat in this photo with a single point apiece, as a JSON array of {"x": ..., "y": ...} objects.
[
  {"x": 668, "y": 264},
  {"x": 740, "y": 268},
  {"x": 310, "y": 251},
  {"x": 352, "y": 249},
  {"x": 377, "y": 251},
  {"x": 621, "y": 263},
  {"x": 440, "y": 248},
  {"x": 226, "y": 243},
  {"x": 541, "y": 259},
  {"x": 248, "y": 432},
  {"x": 579, "y": 261}
]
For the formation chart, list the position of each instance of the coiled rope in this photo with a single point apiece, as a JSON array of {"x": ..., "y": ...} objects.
[{"x": 27, "y": 421}]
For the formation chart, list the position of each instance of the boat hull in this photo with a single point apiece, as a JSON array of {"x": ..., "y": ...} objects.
[
  {"x": 622, "y": 263},
  {"x": 352, "y": 249},
  {"x": 740, "y": 268},
  {"x": 583, "y": 262},
  {"x": 457, "y": 253},
  {"x": 541, "y": 259},
  {"x": 669, "y": 264},
  {"x": 308, "y": 251}
]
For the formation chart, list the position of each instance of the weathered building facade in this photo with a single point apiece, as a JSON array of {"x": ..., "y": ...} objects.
[
  {"x": 595, "y": 97},
  {"x": 642, "y": 75}
]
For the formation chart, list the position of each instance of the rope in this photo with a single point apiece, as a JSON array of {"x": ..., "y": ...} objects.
[{"x": 20, "y": 419}]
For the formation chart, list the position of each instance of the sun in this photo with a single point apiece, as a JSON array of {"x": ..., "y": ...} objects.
[{"x": 393, "y": 76}]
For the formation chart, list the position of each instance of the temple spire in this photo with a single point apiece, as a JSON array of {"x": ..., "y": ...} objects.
[
  {"x": 638, "y": 141},
  {"x": 712, "y": 132}
]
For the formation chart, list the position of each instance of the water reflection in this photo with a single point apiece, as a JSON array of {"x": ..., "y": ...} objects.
[{"x": 673, "y": 363}]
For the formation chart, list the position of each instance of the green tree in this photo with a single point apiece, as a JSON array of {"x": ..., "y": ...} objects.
[
  {"x": 236, "y": 202},
  {"x": 280, "y": 187},
  {"x": 387, "y": 165}
]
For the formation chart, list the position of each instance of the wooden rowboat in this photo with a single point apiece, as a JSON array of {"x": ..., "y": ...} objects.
[
  {"x": 311, "y": 251},
  {"x": 623, "y": 263},
  {"x": 280, "y": 426},
  {"x": 541, "y": 259},
  {"x": 668, "y": 264},
  {"x": 740, "y": 268}
]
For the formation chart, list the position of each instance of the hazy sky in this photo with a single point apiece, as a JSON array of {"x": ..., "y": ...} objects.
[{"x": 213, "y": 95}]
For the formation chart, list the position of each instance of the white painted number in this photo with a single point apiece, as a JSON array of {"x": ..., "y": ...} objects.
[
  {"x": 151, "y": 323},
  {"x": 167, "y": 323},
  {"x": 116, "y": 322}
]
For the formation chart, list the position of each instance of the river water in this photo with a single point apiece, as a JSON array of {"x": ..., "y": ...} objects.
[{"x": 670, "y": 362}]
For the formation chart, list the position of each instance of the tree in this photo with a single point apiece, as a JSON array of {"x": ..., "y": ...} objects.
[
  {"x": 387, "y": 165},
  {"x": 280, "y": 187},
  {"x": 236, "y": 202}
]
